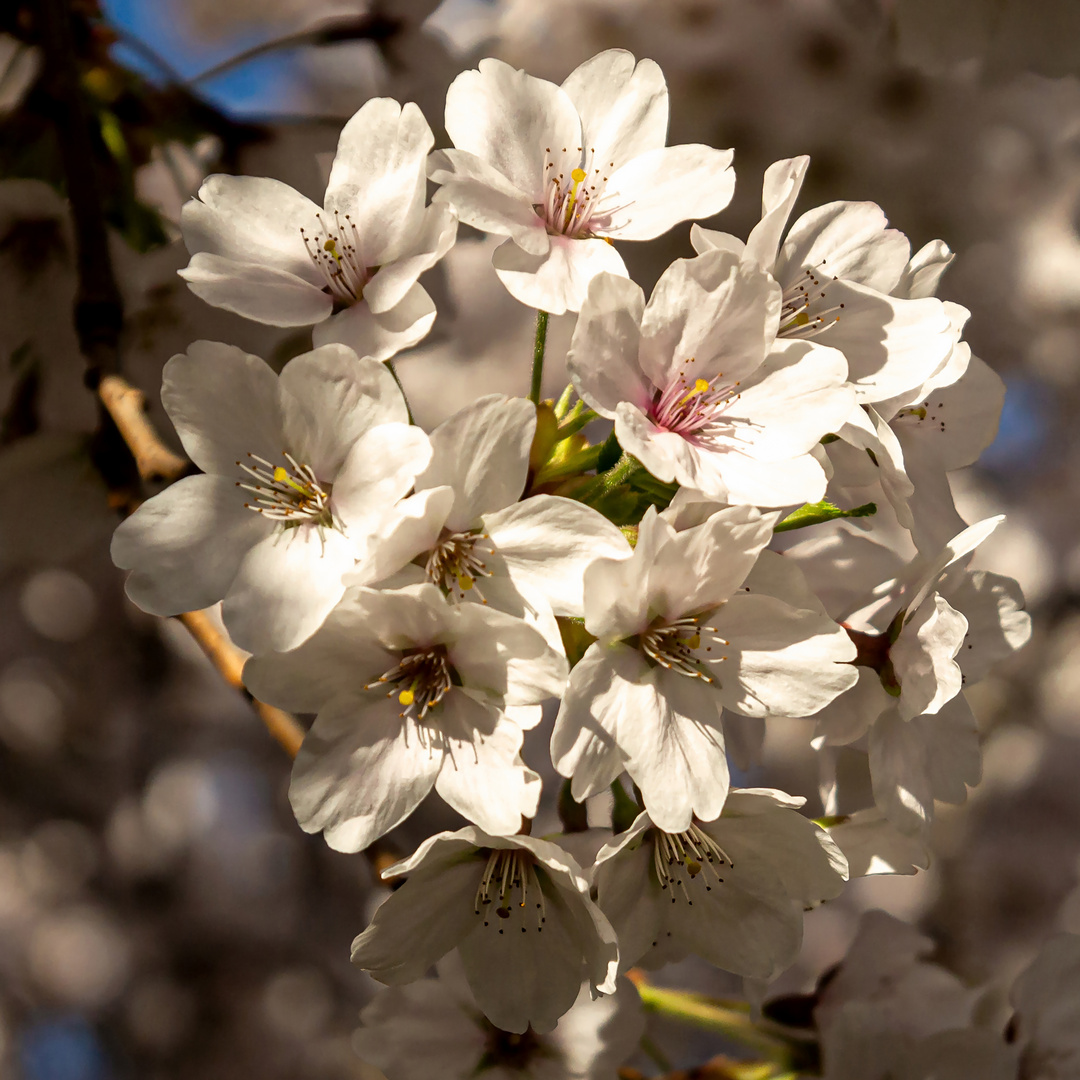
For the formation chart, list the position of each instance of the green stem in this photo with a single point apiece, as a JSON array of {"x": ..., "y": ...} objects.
[
  {"x": 816, "y": 513},
  {"x": 577, "y": 419},
  {"x": 393, "y": 371},
  {"x": 573, "y": 466},
  {"x": 704, "y": 1012},
  {"x": 538, "y": 356}
]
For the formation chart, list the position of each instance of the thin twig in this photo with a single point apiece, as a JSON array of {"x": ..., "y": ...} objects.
[
  {"x": 127, "y": 407},
  {"x": 229, "y": 661}
]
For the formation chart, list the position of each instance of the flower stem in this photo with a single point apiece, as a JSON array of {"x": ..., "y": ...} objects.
[
  {"x": 393, "y": 371},
  {"x": 702, "y": 1011},
  {"x": 538, "y": 356}
]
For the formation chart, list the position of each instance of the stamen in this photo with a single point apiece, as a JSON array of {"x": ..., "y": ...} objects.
[
  {"x": 337, "y": 254},
  {"x": 693, "y": 851},
  {"x": 508, "y": 879},
  {"x": 796, "y": 318},
  {"x": 672, "y": 645},
  {"x": 427, "y": 677},
  {"x": 455, "y": 563},
  {"x": 292, "y": 494}
]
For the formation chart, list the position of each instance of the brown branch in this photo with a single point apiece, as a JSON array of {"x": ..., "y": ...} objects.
[
  {"x": 127, "y": 407},
  {"x": 229, "y": 661}
]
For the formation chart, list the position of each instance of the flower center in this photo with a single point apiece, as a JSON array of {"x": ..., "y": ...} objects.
[
  {"x": 454, "y": 564},
  {"x": 512, "y": 1051},
  {"x": 571, "y": 202},
  {"x": 873, "y": 652},
  {"x": 510, "y": 883},
  {"x": 420, "y": 680},
  {"x": 336, "y": 251},
  {"x": 293, "y": 494},
  {"x": 805, "y": 311},
  {"x": 682, "y": 858},
  {"x": 691, "y": 407},
  {"x": 673, "y": 645}
]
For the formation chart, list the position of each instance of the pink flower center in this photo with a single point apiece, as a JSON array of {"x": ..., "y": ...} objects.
[
  {"x": 692, "y": 408},
  {"x": 572, "y": 199}
]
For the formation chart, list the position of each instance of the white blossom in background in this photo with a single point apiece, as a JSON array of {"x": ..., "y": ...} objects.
[
  {"x": 731, "y": 890},
  {"x": 701, "y": 391},
  {"x": 412, "y": 693},
  {"x": 921, "y": 629},
  {"x": 349, "y": 268},
  {"x": 518, "y": 911},
  {"x": 1045, "y": 1030},
  {"x": 432, "y": 1027},
  {"x": 678, "y": 640},
  {"x": 838, "y": 266},
  {"x": 468, "y": 530},
  {"x": 297, "y": 469},
  {"x": 563, "y": 171}
]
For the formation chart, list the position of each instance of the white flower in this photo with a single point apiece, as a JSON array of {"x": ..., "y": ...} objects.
[
  {"x": 412, "y": 694},
  {"x": 469, "y": 535},
  {"x": 296, "y": 472},
  {"x": 432, "y": 1028},
  {"x": 562, "y": 171},
  {"x": 730, "y": 890},
  {"x": 266, "y": 252},
  {"x": 873, "y": 845},
  {"x": 685, "y": 629},
  {"x": 698, "y": 387},
  {"x": 1046, "y": 997},
  {"x": 922, "y": 630},
  {"x": 837, "y": 267},
  {"x": 518, "y": 911}
]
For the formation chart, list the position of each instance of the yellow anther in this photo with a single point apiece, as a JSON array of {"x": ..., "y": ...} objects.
[
  {"x": 465, "y": 583},
  {"x": 406, "y": 697},
  {"x": 700, "y": 386},
  {"x": 281, "y": 475}
]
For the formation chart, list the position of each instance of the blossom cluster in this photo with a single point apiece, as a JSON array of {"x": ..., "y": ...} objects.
[{"x": 623, "y": 551}]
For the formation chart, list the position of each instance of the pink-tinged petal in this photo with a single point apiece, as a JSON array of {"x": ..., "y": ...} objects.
[
  {"x": 482, "y": 452},
  {"x": 709, "y": 317},
  {"x": 623, "y": 106},
  {"x": 512, "y": 121},
  {"x": 781, "y": 187},
  {"x": 330, "y": 397},
  {"x": 251, "y": 219},
  {"x": 285, "y": 588},
  {"x": 384, "y": 335},
  {"x": 482, "y": 777},
  {"x": 558, "y": 281},
  {"x": 262, "y": 293},
  {"x": 379, "y": 177},
  {"x": 224, "y": 405},
  {"x": 185, "y": 544},
  {"x": 437, "y": 230},
  {"x": 660, "y": 188},
  {"x": 361, "y": 770},
  {"x": 485, "y": 199},
  {"x": 603, "y": 358},
  {"x": 849, "y": 240}
]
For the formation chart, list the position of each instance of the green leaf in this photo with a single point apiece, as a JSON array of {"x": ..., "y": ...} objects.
[{"x": 816, "y": 513}]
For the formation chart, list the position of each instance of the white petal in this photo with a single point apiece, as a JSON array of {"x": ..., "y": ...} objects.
[
  {"x": 954, "y": 756},
  {"x": 547, "y": 542},
  {"x": 482, "y": 777},
  {"x": 603, "y": 358},
  {"x": 361, "y": 770},
  {"x": 848, "y": 240},
  {"x": 997, "y": 624},
  {"x": 923, "y": 575},
  {"x": 262, "y": 293},
  {"x": 435, "y": 235},
  {"x": 781, "y": 187},
  {"x": 251, "y": 219},
  {"x": 512, "y": 121},
  {"x": 484, "y": 198},
  {"x": 224, "y": 405},
  {"x": 629, "y": 897},
  {"x": 923, "y": 657},
  {"x": 384, "y": 335},
  {"x": 378, "y": 472},
  {"x": 923, "y": 272},
  {"x": 704, "y": 240},
  {"x": 873, "y": 845},
  {"x": 185, "y": 544},
  {"x": 707, "y": 317},
  {"x": 285, "y": 588},
  {"x": 779, "y": 661},
  {"x": 901, "y": 773},
  {"x": 623, "y": 107},
  {"x": 557, "y": 281},
  {"x": 482, "y": 452},
  {"x": 379, "y": 176},
  {"x": 329, "y": 398},
  {"x": 659, "y": 188}
]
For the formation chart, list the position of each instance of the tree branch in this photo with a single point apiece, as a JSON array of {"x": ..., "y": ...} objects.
[{"x": 127, "y": 407}]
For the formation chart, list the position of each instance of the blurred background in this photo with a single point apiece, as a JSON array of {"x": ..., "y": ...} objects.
[{"x": 161, "y": 915}]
